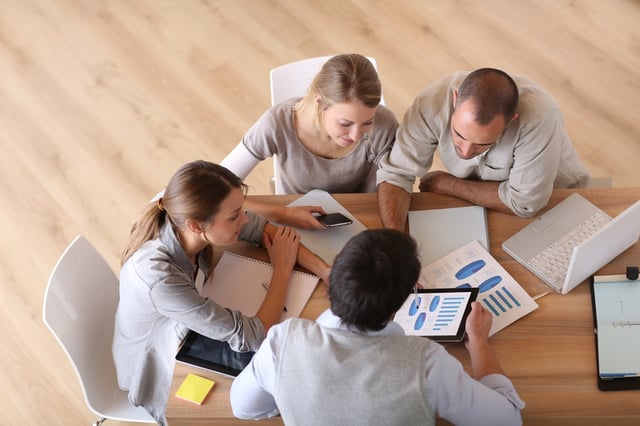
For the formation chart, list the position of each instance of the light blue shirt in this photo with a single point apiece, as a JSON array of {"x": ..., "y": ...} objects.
[
  {"x": 159, "y": 302},
  {"x": 450, "y": 391}
]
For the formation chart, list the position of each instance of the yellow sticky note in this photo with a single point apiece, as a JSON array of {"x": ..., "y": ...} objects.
[{"x": 195, "y": 388}]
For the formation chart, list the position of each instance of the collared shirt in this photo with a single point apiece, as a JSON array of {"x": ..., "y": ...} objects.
[
  {"x": 450, "y": 391},
  {"x": 159, "y": 302},
  {"x": 534, "y": 154}
]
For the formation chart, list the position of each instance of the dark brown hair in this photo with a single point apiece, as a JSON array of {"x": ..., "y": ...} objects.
[
  {"x": 493, "y": 93},
  {"x": 194, "y": 192}
]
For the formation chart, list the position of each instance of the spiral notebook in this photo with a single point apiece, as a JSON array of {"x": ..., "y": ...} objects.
[{"x": 241, "y": 283}]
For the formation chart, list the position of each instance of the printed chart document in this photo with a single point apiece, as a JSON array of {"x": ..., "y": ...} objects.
[
  {"x": 241, "y": 283},
  {"x": 441, "y": 231},
  {"x": 616, "y": 303},
  {"x": 473, "y": 266},
  {"x": 326, "y": 243}
]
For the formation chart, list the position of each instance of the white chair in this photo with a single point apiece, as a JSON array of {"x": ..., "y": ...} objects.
[
  {"x": 79, "y": 309},
  {"x": 292, "y": 80}
]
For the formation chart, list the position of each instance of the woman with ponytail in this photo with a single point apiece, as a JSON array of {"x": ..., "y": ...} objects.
[{"x": 169, "y": 254}]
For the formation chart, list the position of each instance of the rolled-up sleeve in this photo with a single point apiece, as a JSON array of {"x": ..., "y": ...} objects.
[
  {"x": 252, "y": 230},
  {"x": 178, "y": 300},
  {"x": 413, "y": 150},
  {"x": 536, "y": 160}
]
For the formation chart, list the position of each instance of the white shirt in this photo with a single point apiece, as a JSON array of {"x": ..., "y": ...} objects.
[{"x": 252, "y": 391}]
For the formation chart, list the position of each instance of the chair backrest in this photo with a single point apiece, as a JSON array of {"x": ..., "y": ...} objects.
[
  {"x": 79, "y": 309},
  {"x": 292, "y": 80}
]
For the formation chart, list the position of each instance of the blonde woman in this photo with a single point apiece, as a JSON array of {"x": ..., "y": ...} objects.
[{"x": 330, "y": 139}]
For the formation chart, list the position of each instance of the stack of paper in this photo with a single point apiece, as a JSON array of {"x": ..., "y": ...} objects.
[{"x": 473, "y": 266}]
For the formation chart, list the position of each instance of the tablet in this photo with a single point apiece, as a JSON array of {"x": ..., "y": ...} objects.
[
  {"x": 437, "y": 313},
  {"x": 212, "y": 355}
]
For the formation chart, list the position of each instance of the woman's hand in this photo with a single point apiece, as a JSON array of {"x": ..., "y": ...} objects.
[
  {"x": 283, "y": 248},
  {"x": 302, "y": 217},
  {"x": 283, "y": 251}
]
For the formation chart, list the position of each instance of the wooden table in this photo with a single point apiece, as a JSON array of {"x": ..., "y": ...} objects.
[{"x": 549, "y": 354}]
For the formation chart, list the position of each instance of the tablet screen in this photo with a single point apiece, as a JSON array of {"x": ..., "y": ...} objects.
[
  {"x": 213, "y": 355},
  {"x": 437, "y": 313}
]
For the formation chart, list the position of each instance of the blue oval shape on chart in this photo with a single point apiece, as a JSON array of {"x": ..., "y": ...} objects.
[
  {"x": 413, "y": 309},
  {"x": 420, "y": 320},
  {"x": 470, "y": 269},
  {"x": 489, "y": 283},
  {"x": 434, "y": 303},
  {"x": 465, "y": 285}
]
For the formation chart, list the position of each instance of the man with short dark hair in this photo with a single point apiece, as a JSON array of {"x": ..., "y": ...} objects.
[
  {"x": 501, "y": 139},
  {"x": 354, "y": 366}
]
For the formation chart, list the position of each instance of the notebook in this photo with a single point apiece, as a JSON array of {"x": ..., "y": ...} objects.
[
  {"x": 326, "y": 243},
  {"x": 564, "y": 226},
  {"x": 616, "y": 322},
  {"x": 240, "y": 283},
  {"x": 440, "y": 231}
]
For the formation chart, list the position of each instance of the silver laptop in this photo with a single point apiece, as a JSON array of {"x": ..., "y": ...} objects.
[{"x": 574, "y": 239}]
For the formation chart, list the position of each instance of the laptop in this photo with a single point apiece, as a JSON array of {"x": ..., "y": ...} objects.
[{"x": 571, "y": 241}]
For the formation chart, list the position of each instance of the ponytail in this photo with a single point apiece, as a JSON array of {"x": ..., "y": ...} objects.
[
  {"x": 145, "y": 229},
  {"x": 194, "y": 192}
]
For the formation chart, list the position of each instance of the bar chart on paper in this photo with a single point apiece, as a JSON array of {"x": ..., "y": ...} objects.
[{"x": 473, "y": 266}]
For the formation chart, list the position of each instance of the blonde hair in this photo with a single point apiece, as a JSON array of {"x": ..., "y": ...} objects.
[
  {"x": 195, "y": 192},
  {"x": 343, "y": 78}
]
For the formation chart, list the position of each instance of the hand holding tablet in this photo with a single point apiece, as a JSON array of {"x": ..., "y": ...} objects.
[{"x": 437, "y": 313}]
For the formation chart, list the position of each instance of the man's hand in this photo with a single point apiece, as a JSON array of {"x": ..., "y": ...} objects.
[{"x": 436, "y": 181}]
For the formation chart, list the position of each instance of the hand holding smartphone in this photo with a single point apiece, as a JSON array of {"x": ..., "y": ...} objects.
[{"x": 334, "y": 219}]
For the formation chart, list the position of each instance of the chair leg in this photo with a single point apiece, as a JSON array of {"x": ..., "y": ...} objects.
[{"x": 99, "y": 421}]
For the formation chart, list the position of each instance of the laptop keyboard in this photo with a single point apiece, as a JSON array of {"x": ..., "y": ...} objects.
[{"x": 553, "y": 261}]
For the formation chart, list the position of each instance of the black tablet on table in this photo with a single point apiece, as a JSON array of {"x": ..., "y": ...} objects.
[{"x": 213, "y": 355}]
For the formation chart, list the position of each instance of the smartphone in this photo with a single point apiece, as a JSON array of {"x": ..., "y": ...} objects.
[{"x": 334, "y": 219}]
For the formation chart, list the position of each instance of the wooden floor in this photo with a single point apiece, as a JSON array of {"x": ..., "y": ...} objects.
[{"x": 101, "y": 101}]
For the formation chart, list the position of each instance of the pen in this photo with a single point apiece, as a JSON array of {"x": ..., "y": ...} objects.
[
  {"x": 538, "y": 296},
  {"x": 266, "y": 288}
]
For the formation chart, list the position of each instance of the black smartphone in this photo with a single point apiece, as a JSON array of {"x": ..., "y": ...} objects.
[{"x": 334, "y": 219}]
